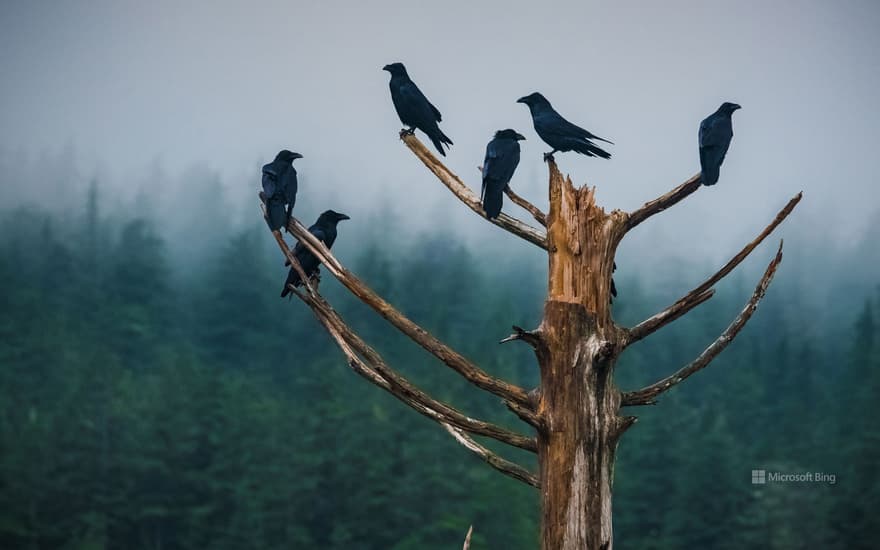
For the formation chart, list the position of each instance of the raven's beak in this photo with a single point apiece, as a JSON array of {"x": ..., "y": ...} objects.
[
  {"x": 297, "y": 156},
  {"x": 520, "y": 137},
  {"x": 341, "y": 217},
  {"x": 736, "y": 106},
  {"x": 522, "y": 100},
  {"x": 387, "y": 68}
]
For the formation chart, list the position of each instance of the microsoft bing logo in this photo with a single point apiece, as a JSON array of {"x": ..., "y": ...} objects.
[{"x": 763, "y": 477}]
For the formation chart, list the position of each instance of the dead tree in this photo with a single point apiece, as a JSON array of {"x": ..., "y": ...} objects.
[{"x": 575, "y": 412}]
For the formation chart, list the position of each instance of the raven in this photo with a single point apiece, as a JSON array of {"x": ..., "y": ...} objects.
[
  {"x": 502, "y": 157},
  {"x": 279, "y": 188},
  {"x": 716, "y": 131},
  {"x": 413, "y": 107},
  {"x": 613, "y": 286},
  {"x": 325, "y": 230},
  {"x": 559, "y": 133}
]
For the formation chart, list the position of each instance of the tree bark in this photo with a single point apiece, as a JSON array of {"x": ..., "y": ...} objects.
[{"x": 578, "y": 398}]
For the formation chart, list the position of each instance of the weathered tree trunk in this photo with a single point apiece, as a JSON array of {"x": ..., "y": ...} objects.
[
  {"x": 575, "y": 409},
  {"x": 578, "y": 398}
]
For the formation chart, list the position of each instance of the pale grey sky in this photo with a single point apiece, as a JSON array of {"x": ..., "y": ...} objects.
[{"x": 129, "y": 86}]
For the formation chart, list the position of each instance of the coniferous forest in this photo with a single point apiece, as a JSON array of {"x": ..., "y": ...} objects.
[{"x": 152, "y": 402}]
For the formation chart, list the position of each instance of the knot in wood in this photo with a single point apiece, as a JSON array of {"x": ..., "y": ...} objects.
[{"x": 606, "y": 350}]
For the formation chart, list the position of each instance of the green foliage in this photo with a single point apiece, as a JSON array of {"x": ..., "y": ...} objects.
[{"x": 149, "y": 404}]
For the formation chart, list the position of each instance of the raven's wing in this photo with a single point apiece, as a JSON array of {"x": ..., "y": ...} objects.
[
  {"x": 715, "y": 131},
  {"x": 491, "y": 194},
  {"x": 491, "y": 156},
  {"x": 290, "y": 187},
  {"x": 489, "y": 164},
  {"x": 418, "y": 105},
  {"x": 502, "y": 158},
  {"x": 565, "y": 136},
  {"x": 306, "y": 259},
  {"x": 568, "y": 129},
  {"x": 276, "y": 217},
  {"x": 318, "y": 232},
  {"x": 300, "y": 250},
  {"x": 714, "y": 137},
  {"x": 422, "y": 99},
  {"x": 302, "y": 253},
  {"x": 270, "y": 179},
  {"x": 435, "y": 109}
]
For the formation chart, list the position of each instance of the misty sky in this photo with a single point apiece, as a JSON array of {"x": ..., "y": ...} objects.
[{"x": 129, "y": 86}]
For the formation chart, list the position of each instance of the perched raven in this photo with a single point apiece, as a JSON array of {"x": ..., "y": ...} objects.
[
  {"x": 325, "y": 230},
  {"x": 502, "y": 157},
  {"x": 413, "y": 107},
  {"x": 613, "y": 286},
  {"x": 559, "y": 133},
  {"x": 279, "y": 188},
  {"x": 716, "y": 131}
]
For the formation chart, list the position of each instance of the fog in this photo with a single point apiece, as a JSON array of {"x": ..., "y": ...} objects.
[
  {"x": 156, "y": 392},
  {"x": 156, "y": 99}
]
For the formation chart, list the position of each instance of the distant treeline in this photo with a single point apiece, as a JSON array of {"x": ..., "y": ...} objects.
[{"x": 148, "y": 404}]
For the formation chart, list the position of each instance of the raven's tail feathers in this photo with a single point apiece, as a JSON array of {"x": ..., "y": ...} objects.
[
  {"x": 438, "y": 138},
  {"x": 493, "y": 200},
  {"x": 444, "y": 138},
  {"x": 438, "y": 145},
  {"x": 276, "y": 216},
  {"x": 584, "y": 146},
  {"x": 591, "y": 150},
  {"x": 292, "y": 279},
  {"x": 709, "y": 176}
]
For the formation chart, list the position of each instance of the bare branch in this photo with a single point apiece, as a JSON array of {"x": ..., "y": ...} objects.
[
  {"x": 536, "y": 213},
  {"x": 646, "y": 395},
  {"x": 662, "y": 203},
  {"x": 532, "y": 338},
  {"x": 736, "y": 260},
  {"x": 671, "y": 313},
  {"x": 504, "y": 466},
  {"x": 449, "y": 356},
  {"x": 527, "y": 415},
  {"x": 465, "y": 195},
  {"x": 623, "y": 424},
  {"x": 359, "y": 351},
  {"x": 703, "y": 292},
  {"x": 467, "y": 538}
]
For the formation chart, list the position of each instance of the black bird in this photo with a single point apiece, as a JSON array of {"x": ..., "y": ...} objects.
[
  {"x": 613, "y": 286},
  {"x": 559, "y": 133},
  {"x": 325, "y": 230},
  {"x": 502, "y": 158},
  {"x": 413, "y": 107},
  {"x": 716, "y": 131},
  {"x": 279, "y": 188}
]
